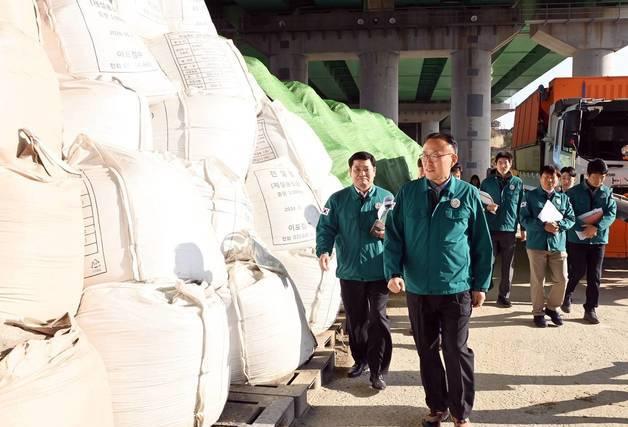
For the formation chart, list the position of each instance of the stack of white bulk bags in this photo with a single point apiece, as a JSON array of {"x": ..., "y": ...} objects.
[
  {"x": 30, "y": 93},
  {"x": 319, "y": 290},
  {"x": 145, "y": 218},
  {"x": 41, "y": 236},
  {"x": 270, "y": 337},
  {"x": 52, "y": 377},
  {"x": 188, "y": 15},
  {"x": 106, "y": 111},
  {"x": 90, "y": 39},
  {"x": 230, "y": 207},
  {"x": 22, "y": 14},
  {"x": 145, "y": 17},
  {"x": 214, "y": 115},
  {"x": 166, "y": 351}
]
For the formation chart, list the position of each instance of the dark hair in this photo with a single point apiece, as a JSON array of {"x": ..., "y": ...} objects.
[
  {"x": 419, "y": 163},
  {"x": 362, "y": 155},
  {"x": 445, "y": 137},
  {"x": 456, "y": 167},
  {"x": 570, "y": 170},
  {"x": 474, "y": 178},
  {"x": 597, "y": 166},
  {"x": 549, "y": 169},
  {"x": 504, "y": 155}
]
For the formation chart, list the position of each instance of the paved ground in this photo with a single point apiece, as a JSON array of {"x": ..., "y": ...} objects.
[{"x": 574, "y": 375}]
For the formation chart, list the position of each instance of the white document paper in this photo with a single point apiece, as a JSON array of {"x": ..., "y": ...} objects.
[
  {"x": 580, "y": 235},
  {"x": 549, "y": 213},
  {"x": 591, "y": 217},
  {"x": 486, "y": 198}
]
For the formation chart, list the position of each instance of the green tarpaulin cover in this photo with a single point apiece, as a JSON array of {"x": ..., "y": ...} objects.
[{"x": 344, "y": 131}]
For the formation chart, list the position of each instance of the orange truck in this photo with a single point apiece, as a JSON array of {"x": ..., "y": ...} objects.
[{"x": 572, "y": 121}]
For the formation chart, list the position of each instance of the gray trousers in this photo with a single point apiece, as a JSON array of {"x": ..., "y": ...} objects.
[{"x": 504, "y": 245}]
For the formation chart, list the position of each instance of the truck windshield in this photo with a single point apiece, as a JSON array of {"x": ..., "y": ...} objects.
[{"x": 603, "y": 134}]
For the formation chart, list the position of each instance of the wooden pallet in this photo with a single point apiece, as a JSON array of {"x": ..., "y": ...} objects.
[
  {"x": 314, "y": 373},
  {"x": 245, "y": 409},
  {"x": 298, "y": 393}
]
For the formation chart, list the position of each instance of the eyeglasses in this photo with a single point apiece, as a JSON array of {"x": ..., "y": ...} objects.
[{"x": 433, "y": 157}]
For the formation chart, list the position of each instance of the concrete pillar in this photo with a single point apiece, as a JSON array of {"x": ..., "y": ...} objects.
[
  {"x": 593, "y": 62},
  {"x": 289, "y": 66},
  {"x": 471, "y": 108},
  {"x": 379, "y": 83},
  {"x": 428, "y": 127}
]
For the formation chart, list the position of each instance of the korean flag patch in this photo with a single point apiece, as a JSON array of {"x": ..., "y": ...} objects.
[{"x": 325, "y": 211}]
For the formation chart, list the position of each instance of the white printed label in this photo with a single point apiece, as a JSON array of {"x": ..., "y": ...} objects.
[
  {"x": 285, "y": 196},
  {"x": 95, "y": 263},
  {"x": 204, "y": 61},
  {"x": 116, "y": 49},
  {"x": 264, "y": 150}
]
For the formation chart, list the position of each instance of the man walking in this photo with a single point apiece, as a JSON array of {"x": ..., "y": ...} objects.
[
  {"x": 438, "y": 249},
  {"x": 506, "y": 191},
  {"x": 546, "y": 243},
  {"x": 587, "y": 240},
  {"x": 350, "y": 222}
]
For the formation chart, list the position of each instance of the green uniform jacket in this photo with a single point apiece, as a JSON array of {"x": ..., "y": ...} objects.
[
  {"x": 509, "y": 200},
  {"x": 347, "y": 222},
  {"x": 582, "y": 202},
  {"x": 537, "y": 237},
  {"x": 446, "y": 252}
]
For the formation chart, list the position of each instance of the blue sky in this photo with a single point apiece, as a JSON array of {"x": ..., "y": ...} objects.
[{"x": 561, "y": 70}]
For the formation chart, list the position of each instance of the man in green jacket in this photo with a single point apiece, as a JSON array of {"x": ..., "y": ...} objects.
[
  {"x": 438, "y": 249},
  {"x": 587, "y": 240},
  {"x": 546, "y": 237},
  {"x": 506, "y": 191},
  {"x": 350, "y": 221}
]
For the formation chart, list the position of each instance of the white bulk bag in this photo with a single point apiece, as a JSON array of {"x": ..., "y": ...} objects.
[
  {"x": 217, "y": 108},
  {"x": 326, "y": 187},
  {"x": 270, "y": 337},
  {"x": 167, "y": 222},
  {"x": 188, "y": 15},
  {"x": 145, "y": 17},
  {"x": 90, "y": 39},
  {"x": 230, "y": 207},
  {"x": 166, "y": 351},
  {"x": 22, "y": 14},
  {"x": 107, "y": 112},
  {"x": 30, "y": 93},
  {"x": 319, "y": 290},
  {"x": 56, "y": 379},
  {"x": 285, "y": 209},
  {"x": 41, "y": 237}
]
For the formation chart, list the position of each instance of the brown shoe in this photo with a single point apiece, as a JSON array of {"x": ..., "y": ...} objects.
[{"x": 434, "y": 418}]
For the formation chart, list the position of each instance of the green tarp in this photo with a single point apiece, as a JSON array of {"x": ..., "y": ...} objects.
[{"x": 344, "y": 131}]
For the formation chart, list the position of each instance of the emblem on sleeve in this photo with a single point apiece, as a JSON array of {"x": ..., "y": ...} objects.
[
  {"x": 524, "y": 204},
  {"x": 512, "y": 187},
  {"x": 455, "y": 203},
  {"x": 325, "y": 211}
]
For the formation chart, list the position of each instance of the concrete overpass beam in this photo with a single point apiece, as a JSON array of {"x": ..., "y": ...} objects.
[
  {"x": 471, "y": 108},
  {"x": 379, "y": 83},
  {"x": 289, "y": 66},
  {"x": 591, "y": 44}
]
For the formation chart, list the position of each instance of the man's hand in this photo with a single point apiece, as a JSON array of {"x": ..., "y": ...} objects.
[
  {"x": 492, "y": 208},
  {"x": 396, "y": 285},
  {"x": 551, "y": 227},
  {"x": 477, "y": 298},
  {"x": 323, "y": 261},
  {"x": 522, "y": 235},
  {"x": 589, "y": 231}
]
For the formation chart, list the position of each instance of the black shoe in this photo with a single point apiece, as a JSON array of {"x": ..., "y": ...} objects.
[
  {"x": 539, "y": 321},
  {"x": 591, "y": 317},
  {"x": 377, "y": 382},
  {"x": 566, "y": 307},
  {"x": 503, "y": 302},
  {"x": 434, "y": 418},
  {"x": 357, "y": 370},
  {"x": 555, "y": 316}
]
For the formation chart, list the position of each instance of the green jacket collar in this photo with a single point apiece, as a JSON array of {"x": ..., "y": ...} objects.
[
  {"x": 449, "y": 190},
  {"x": 356, "y": 196}
]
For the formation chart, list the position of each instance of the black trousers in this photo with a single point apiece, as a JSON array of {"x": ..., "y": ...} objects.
[
  {"x": 452, "y": 386},
  {"x": 367, "y": 324},
  {"x": 504, "y": 245},
  {"x": 583, "y": 259}
]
